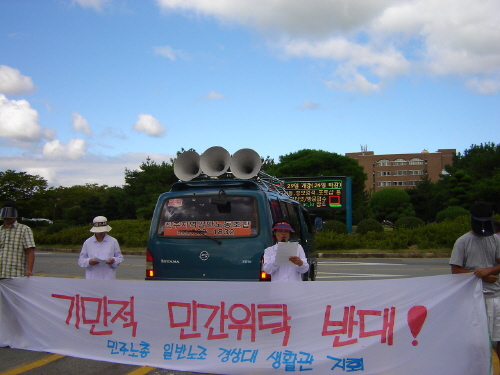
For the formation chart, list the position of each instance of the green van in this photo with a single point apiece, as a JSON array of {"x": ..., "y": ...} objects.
[{"x": 217, "y": 229}]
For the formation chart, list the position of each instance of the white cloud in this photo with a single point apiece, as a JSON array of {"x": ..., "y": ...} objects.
[
  {"x": 484, "y": 86},
  {"x": 307, "y": 104},
  {"x": 75, "y": 149},
  {"x": 94, "y": 4},
  {"x": 149, "y": 125},
  {"x": 388, "y": 37},
  {"x": 18, "y": 120},
  {"x": 212, "y": 95},
  {"x": 12, "y": 82},
  {"x": 92, "y": 169},
  {"x": 170, "y": 53},
  {"x": 348, "y": 79},
  {"x": 80, "y": 124}
]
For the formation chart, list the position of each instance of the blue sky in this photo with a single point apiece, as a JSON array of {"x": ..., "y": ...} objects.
[{"x": 91, "y": 87}]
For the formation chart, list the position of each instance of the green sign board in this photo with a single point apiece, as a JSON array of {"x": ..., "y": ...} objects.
[
  {"x": 322, "y": 194},
  {"x": 318, "y": 193}
]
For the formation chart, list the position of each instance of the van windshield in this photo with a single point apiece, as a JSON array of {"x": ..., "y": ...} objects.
[{"x": 202, "y": 215}]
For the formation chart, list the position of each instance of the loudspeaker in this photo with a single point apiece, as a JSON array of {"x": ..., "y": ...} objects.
[
  {"x": 245, "y": 163},
  {"x": 187, "y": 166},
  {"x": 215, "y": 161}
]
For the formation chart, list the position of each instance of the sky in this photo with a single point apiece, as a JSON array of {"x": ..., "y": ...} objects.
[{"x": 90, "y": 88}]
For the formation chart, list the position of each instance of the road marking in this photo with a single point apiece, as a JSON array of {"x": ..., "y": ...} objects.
[
  {"x": 350, "y": 275},
  {"x": 55, "y": 275},
  {"x": 333, "y": 263},
  {"x": 30, "y": 366},
  {"x": 140, "y": 371}
]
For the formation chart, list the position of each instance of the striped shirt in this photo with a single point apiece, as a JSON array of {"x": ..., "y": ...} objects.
[{"x": 13, "y": 244}]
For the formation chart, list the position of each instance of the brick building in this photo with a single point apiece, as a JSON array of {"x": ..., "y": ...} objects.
[{"x": 401, "y": 170}]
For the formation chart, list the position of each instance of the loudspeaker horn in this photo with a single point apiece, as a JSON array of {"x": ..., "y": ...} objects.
[
  {"x": 187, "y": 165},
  {"x": 245, "y": 163},
  {"x": 215, "y": 161}
]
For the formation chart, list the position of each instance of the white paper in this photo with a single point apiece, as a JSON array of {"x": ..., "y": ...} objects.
[
  {"x": 100, "y": 260},
  {"x": 285, "y": 251}
]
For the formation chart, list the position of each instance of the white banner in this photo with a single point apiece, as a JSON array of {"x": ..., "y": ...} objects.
[{"x": 428, "y": 325}]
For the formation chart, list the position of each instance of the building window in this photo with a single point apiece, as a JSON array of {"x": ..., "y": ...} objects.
[
  {"x": 414, "y": 183},
  {"x": 383, "y": 163},
  {"x": 399, "y": 173},
  {"x": 416, "y": 173},
  {"x": 384, "y": 183},
  {"x": 399, "y": 162},
  {"x": 416, "y": 161},
  {"x": 400, "y": 183},
  {"x": 384, "y": 173}
]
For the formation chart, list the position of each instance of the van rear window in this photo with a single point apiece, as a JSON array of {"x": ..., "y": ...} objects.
[{"x": 202, "y": 215}]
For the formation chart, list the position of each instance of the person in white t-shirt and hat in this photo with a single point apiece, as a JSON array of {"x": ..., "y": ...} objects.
[
  {"x": 100, "y": 253},
  {"x": 282, "y": 231}
]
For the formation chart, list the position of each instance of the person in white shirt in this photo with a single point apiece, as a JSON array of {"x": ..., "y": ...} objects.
[
  {"x": 293, "y": 272},
  {"x": 100, "y": 253}
]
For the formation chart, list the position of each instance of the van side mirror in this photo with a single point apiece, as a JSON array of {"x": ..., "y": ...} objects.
[{"x": 318, "y": 223}]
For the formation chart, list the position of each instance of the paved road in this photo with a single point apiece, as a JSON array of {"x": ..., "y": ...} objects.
[
  {"x": 330, "y": 269},
  {"x": 133, "y": 268}
]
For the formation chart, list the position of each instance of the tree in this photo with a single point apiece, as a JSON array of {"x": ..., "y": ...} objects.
[
  {"x": 391, "y": 203},
  {"x": 143, "y": 186},
  {"x": 54, "y": 201},
  {"x": 312, "y": 163},
  {"x": 459, "y": 187},
  {"x": 20, "y": 186},
  {"x": 426, "y": 199},
  {"x": 75, "y": 215},
  {"x": 481, "y": 166},
  {"x": 479, "y": 162}
]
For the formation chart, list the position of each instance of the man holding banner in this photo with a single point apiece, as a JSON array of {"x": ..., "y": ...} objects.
[
  {"x": 17, "y": 246},
  {"x": 478, "y": 251}
]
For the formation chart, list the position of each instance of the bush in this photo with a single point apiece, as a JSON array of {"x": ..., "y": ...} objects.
[
  {"x": 335, "y": 226},
  {"x": 334, "y": 241},
  {"x": 129, "y": 233},
  {"x": 57, "y": 227},
  {"x": 391, "y": 203},
  {"x": 369, "y": 225},
  {"x": 451, "y": 213},
  {"x": 409, "y": 222}
]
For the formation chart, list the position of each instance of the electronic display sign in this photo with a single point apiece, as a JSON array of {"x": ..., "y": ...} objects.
[{"x": 319, "y": 193}]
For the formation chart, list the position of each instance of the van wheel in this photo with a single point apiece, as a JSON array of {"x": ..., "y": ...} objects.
[{"x": 312, "y": 272}]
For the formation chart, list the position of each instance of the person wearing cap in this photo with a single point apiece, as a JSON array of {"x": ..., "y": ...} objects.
[
  {"x": 17, "y": 245},
  {"x": 282, "y": 231},
  {"x": 100, "y": 253},
  {"x": 478, "y": 252}
]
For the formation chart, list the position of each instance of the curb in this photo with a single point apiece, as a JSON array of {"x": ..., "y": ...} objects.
[
  {"x": 77, "y": 251},
  {"x": 319, "y": 255},
  {"x": 384, "y": 255}
]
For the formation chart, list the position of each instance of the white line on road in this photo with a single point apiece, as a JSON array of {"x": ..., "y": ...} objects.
[
  {"x": 333, "y": 263},
  {"x": 350, "y": 275}
]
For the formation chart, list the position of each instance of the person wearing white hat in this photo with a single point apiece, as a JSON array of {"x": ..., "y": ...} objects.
[
  {"x": 282, "y": 231},
  {"x": 17, "y": 246},
  {"x": 100, "y": 253}
]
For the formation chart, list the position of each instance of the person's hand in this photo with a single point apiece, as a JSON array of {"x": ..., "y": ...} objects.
[
  {"x": 110, "y": 261},
  {"x": 490, "y": 279},
  {"x": 481, "y": 272},
  {"x": 296, "y": 260},
  {"x": 29, "y": 273},
  {"x": 93, "y": 262}
]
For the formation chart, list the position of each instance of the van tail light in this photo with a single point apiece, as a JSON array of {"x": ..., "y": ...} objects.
[
  {"x": 263, "y": 276},
  {"x": 149, "y": 264}
]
